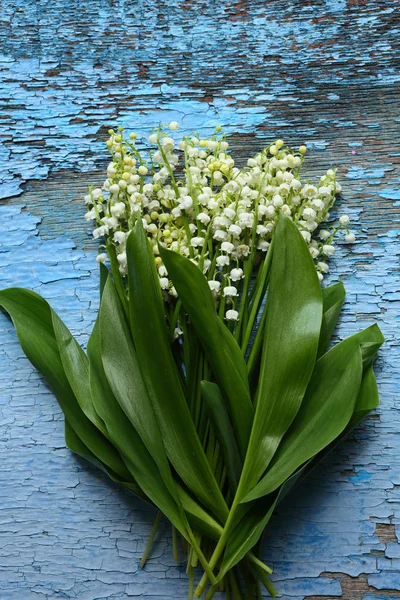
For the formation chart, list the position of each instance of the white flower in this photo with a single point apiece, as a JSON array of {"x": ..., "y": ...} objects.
[
  {"x": 277, "y": 200},
  {"x": 122, "y": 258},
  {"x": 174, "y": 126},
  {"x": 227, "y": 247},
  {"x": 164, "y": 283},
  {"x": 232, "y": 315},
  {"x": 246, "y": 219},
  {"x": 309, "y": 214},
  {"x": 168, "y": 143},
  {"x": 306, "y": 235},
  {"x": 328, "y": 249},
  {"x": 230, "y": 291},
  {"x": 120, "y": 237},
  {"x": 324, "y": 234},
  {"x": 118, "y": 209},
  {"x": 263, "y": 245},
  {"x": 229, "y": 212},
  {"x": 186, "y": 202},
  {"x": 90, "y": 215},
  {"x": 153, "y": 138},
  {"x": 314, "y": 252},
  {"x": 177, "y": 332},
  {"x": 322, "y": 266},
  {"x": 309, "y": 191},
  {"x": 320, "y": 276},
  {"x": 223, "y": 261},
  {"x": 214, "y": 286},
  {"x": 197, "y": 241},
  {"x": 344, "y": 220},
  {"x": 220, "y": 235},
  {"x": 203, "y": 218},
  {"x": 114, "y": 188},
  {"x": 235, "y": 230},
  {"x": 101, "y": 258},
  {"x": 236, "y": 274},
  {"x": 350, "y": 237}
]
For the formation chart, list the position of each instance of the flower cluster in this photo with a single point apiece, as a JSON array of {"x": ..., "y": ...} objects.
[{"x": 193, "y": 200}]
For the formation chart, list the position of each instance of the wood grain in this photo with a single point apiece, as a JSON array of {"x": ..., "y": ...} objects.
[{"x": 324, "y": 73}]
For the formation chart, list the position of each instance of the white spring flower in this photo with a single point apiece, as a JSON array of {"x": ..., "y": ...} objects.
[
  {"x": 236, "y": 274},
  {"x": 328, "y": 249},
  {"x": 240, "y": 204},
  {"x": 227, "y": 247},
  {"x": 306, "y": 235},
  {"x": 232, "y": 315},
  {"x": 164, "y": 283},
  {"x": 118, "y": 209},
  {"x": 323, "y": 267},
  {"x": 204, "y": 218},
  {"x": 197, "y": 241},
  {"x": 344, "y": 220},
  {"x": 350, "y": 237},
  {"x": 324, "y": 234},
  {"x": 220, "y": 235},
  {"x": 223, "y": 261},
  {"x": 101, "y": 258},
  {"x": 214, "y": 286},
  {"x": 119, "y": 237},
  {"x": 230, "y": 291},
  {"x": 235, "y": 230},
  {"x": 90, "y": 215}
]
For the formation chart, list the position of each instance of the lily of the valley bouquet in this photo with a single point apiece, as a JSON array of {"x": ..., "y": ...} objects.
[{"x": 207, "y": 388}]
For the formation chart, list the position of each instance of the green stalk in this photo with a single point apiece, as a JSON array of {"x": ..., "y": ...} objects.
[
  {"x": 117, "y": 277},
  {"x": 150, "y": 541},
  {"x": 256, "y": 561},
  {"x": 255, "y": 348},
  {"x": 258, "y": 295},
  {"x": 175, "y": 550}
]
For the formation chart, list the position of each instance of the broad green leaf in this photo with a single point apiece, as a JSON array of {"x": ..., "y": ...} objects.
[
  {"x": 220, "y": 347},
  {"x": 250, "y": 528},
  {"x": 332, "y": 299},
  {"x": 125, "y": 378},
  {"x": 32, "y": 318},
  {"x": 76, "y": 445},
  {"x": 222, "y": 426},
  {"x": 326, "y": 409},
  {"x": 367, "y": 399},
  {"x": 161, "y": 377},
  {"x": 125, "y": 437},
  {"x": 292, "y": 329},
  {"x": 76, "y": 368}
]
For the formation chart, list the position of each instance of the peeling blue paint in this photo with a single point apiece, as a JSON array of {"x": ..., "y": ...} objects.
[{"x": 321, "y": 73}]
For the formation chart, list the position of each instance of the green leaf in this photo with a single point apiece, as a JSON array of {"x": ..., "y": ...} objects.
[
  {"x": 326, "y": 409},
  {"x": 76, "y": 367},
  {"x": 125, "y": 378},
  {"x": 161, "y": 377},
  {"x": 222, "y": 426},
  {"x": 332, "y": 298},
  {"x": 76, "y": 445},
  {"x": 367, "y": 400},
  {"x": 125, "y": 437},
  {"x": 220, "y": 347},
  {"x": 32, "y": 318},
  {"x": 292, "y": 329}
]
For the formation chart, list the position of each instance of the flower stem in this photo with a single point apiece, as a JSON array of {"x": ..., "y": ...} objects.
[
  {"x": 175, "y": 550},
  {"x": 150, "y": 541}
]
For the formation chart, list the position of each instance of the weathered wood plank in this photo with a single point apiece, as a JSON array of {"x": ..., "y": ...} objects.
[{"x": 324, "y": 73}]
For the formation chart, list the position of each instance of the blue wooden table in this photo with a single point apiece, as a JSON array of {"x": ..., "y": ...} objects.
[{"x": 324, "y": 73}]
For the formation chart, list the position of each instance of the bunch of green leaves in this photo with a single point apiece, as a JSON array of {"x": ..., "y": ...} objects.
[{"x": 212, "y": 429}]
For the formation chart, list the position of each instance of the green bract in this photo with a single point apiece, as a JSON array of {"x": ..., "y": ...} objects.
[{"x": 216, "y": 426}]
